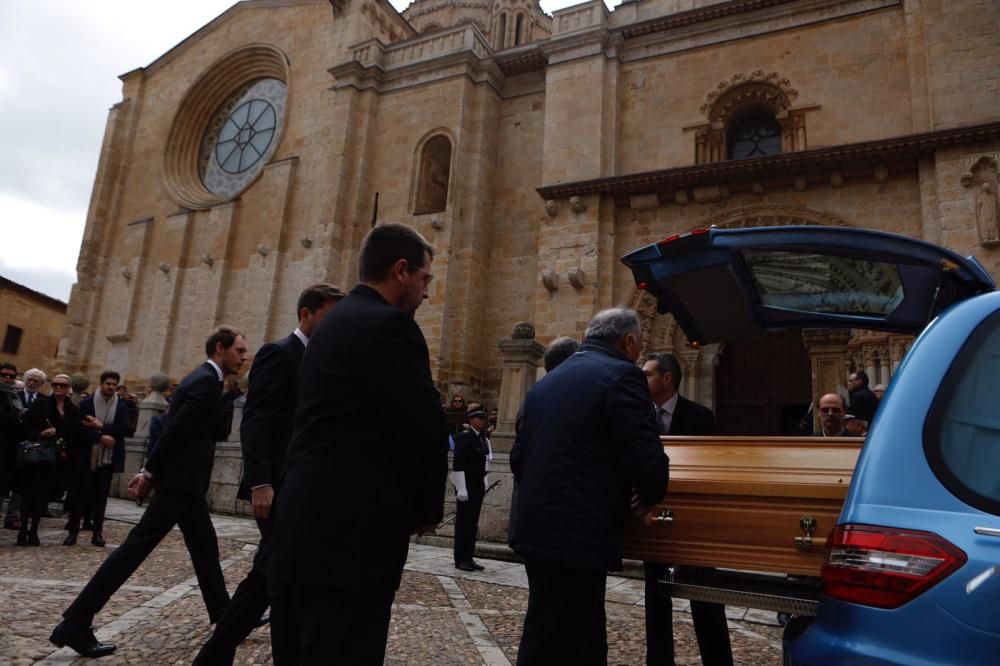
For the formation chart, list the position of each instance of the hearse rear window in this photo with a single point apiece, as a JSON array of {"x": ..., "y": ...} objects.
[
  {"x": 962, "y": 433},
  {"x": 812, "y": 282}
]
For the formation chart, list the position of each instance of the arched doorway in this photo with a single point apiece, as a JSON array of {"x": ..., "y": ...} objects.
[{"x": 763, "y": 387}]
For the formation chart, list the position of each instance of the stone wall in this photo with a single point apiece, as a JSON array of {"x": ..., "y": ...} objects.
[{"x": 41, "y": 319}]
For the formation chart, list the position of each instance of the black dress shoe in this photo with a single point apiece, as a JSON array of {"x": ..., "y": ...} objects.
[
  {"x": 22, "y": 538},
  {"x": 80, "y": 639},
  {"x": 97, "y": 539},
  {"x": 477, "y": 566},
  {"x": 465, "y": 566},
  {"x": 33, "y": 539},
  {"x": 262, "y": 621},
  {"x": 70, "y": 538}
]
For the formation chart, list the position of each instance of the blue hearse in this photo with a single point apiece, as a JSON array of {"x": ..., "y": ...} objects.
[{"x": 912, "y": 569}]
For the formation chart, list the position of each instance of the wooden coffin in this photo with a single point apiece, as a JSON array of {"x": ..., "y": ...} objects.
[{"x": 750, "y": 503}]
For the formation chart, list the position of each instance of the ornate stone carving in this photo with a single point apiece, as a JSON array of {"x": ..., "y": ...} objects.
[
  {"x": 263, "y": 249},
  {"x": 523, "y": 330},
  {"x": 551, "y": 280},
  {"x": 768, "y": 88},
  {"x": 577, "y": 205},
  {"x": 207, "y": 260},
  {"x": 552, "y": 207},
  {"x": 769, "y": 216},
  {"x": 164, "y": 267},
  {"x": 982, "y": 179},
  {"x": 800, "y": 184},
  {"x": 881, "y": 173},
  {"x": 577, "y": 277},
  {"x": 126, "y": 273},
  {"x": 159, "y": 382},
  {"x": 306, "y": 242}
]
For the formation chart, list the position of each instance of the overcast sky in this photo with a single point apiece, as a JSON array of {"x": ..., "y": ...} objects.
[{"x": 59, "y": 67}]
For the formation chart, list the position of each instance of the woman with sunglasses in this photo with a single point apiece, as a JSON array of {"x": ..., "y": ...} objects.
[{"x": 46, "y": 419}]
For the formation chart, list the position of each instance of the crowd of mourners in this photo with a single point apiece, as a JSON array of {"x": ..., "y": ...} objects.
[{"x": 60, "y": 446}]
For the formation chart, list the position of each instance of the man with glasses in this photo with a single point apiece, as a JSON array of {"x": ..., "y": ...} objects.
[
  {"x": 11, "y": 407},
  {"x": 366, "y": 466},
  {"x": 831, "y": 416}
]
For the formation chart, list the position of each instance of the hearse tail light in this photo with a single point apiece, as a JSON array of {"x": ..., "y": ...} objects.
[
  {"x": 669, "y": 239},
  {"x": 643, "y": 286},
  {"x": 674, "y": 237},
  {"x": 885, "y": 567},
  {"x": 699, "y": 232}
]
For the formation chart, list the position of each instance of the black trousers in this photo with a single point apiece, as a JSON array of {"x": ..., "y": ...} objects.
[
  {"x": 315, "y": 624},
  {"x": 467, "y": 521},
  {"x": 36, "y": 481},
  {"x": 244, "y": 610},
  {"x": 166, "y": 509},
  {"x": 710, "y": 626},
  {"x": 565, "y": 623}
]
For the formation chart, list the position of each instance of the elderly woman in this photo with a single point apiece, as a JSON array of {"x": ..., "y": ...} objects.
[{"x": 47, "y": 420}]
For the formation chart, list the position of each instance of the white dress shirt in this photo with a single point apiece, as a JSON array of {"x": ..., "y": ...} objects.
[{"x": 665, "y": 412}]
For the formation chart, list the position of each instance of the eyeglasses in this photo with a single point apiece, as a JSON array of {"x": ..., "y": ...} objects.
[
  {"x": 59, "y": 385},
  {"x": 428, "y": 277},
  {"x": 8, "y": 375}
]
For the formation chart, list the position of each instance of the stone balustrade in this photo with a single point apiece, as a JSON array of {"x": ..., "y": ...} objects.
[{"x": 373, "y": 53}]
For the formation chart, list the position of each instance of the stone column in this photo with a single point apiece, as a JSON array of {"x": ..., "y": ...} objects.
[
  {"x": 828, "y": 360},
  {"x": 153, "y": 404},
  {"x": 234, "y": 431},
  {"x": 521, "y": 355}
]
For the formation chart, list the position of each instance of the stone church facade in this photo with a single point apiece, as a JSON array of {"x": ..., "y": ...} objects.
[{"x": 532, "y": 151}]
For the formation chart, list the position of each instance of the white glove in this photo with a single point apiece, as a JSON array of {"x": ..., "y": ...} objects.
[{"x": 458, "y": 480}]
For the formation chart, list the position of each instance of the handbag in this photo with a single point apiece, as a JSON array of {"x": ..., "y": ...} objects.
[{"x": 35, "y": 453}]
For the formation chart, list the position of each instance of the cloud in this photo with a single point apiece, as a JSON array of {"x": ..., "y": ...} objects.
[{"x": 40, "y": 245}]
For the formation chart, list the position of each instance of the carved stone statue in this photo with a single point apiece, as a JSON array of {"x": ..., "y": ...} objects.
[{"x": 986, "y": 214}]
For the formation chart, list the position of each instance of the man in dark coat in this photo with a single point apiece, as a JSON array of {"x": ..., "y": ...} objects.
[
  {"x": 264, "y": 435},
  {"x": 180, "y": 468},
  {"x": 864, "y": 402},
  {"x": 102, "y": 455},
  {"x": 676, "y": 415},
  {"x": 366, "y": 467},
  {"x": 471, "y": 462},
  {"x": 11, "y": 407},
  {"x": 586, "y": 441}
]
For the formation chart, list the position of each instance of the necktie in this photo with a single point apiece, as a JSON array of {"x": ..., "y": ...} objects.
[
  {"x": 31, "y": 399},
  {"x": 660, "y": 413}
]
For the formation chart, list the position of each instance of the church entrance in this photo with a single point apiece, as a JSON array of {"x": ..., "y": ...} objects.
[{"x": 763, "y": 387}]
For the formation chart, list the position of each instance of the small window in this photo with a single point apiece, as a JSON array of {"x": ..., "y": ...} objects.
[
  {"x": 12, "y": 339},
  {"x": 962, "y": 434},
  {"x": 755, "y": 136},
  {"x": 502, "y": 32},
  {"x": 432, "y": 179},
  {"x": 812, "y": 282},
  {"x": 518, "y": 27}
]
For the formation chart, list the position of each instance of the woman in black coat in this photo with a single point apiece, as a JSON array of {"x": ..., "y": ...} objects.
[{"x": 47, "y": 419}]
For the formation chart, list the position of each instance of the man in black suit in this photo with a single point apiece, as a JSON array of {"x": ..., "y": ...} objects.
[
  {"x": 676, "y": 415},
  {"x": 34, "y": 380},
  {"x": 864, "y": 402},
  {"x": 471, "y": 462},
  {"x": 264, "y": 436},
  {"x": 180, "y": 468},
  {"x": 366, "y": 467}
]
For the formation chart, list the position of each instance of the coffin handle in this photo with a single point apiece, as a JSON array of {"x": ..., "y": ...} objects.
[
  {"x": 664, "y": 517},
  {"x": 808, "y": 525}
]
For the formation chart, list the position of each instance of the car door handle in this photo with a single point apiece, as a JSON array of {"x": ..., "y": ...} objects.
[{"x": 988, "y": 531}]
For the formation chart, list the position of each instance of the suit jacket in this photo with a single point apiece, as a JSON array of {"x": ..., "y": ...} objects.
[
  {"x": 184, "y": 454},
  {"x": 119, "y": 428},
  {"x": 470, "y": 457},
  {"x": 690, "y": 418},
  {"x": 864, "y": 404},
  {"x": 586, "y": 436},
  {"x": 267, "y": 415},
  {"x": 369, "y": 455}
]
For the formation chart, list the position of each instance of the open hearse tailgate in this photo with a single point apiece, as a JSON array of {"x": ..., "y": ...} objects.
[{"x": 750, "y": 503}]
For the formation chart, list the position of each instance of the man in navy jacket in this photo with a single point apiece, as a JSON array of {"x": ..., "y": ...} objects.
[{"x": 586, "y": 443}]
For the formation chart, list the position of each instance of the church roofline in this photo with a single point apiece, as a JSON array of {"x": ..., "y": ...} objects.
[
  {"x": 694, "y": 16},
  {"x": 849, "y": 158}
]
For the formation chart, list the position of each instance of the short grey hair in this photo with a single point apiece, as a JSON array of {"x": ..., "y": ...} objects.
[
  {"x": 613, "y": 324},
  {"x": 37, "y": 374}
]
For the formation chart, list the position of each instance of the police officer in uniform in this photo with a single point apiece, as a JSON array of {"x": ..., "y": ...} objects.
[{"x": 472, "y": 459}]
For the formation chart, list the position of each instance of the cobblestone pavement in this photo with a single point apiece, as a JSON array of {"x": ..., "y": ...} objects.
[{"x": 441, "y": 615}]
